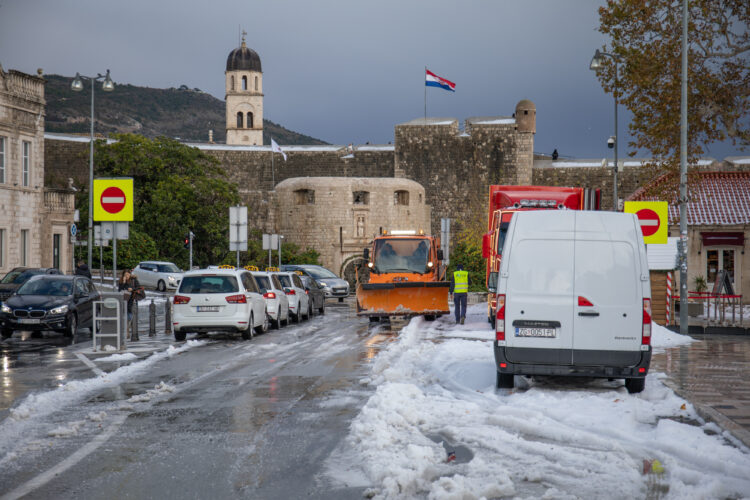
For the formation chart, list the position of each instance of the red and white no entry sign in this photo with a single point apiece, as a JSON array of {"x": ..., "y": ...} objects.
[
  {"x": 113, "y": 199},
  {"x": 649, "y": 221}
]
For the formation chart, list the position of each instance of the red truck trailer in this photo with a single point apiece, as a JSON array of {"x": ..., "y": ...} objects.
[{"x": 504, "y": 201}]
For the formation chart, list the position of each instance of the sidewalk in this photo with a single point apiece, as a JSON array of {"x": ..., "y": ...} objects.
[{"x": 714, "y": 375}]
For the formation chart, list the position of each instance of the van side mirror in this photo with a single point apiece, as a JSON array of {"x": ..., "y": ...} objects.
[
  {"x": 366, "y": 253},
  {"x": 492, "y": 282},
  {"x": 440, "y": 254},
  {"x": 486, "y": 245}
]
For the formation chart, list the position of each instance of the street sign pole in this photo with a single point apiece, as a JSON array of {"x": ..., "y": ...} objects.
[
  {"x": 114, "y": 257},
  {"x": 190, "y": 238}
]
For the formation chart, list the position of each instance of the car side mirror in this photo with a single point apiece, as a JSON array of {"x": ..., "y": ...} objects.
[
  {"x": 366, "y": 254},
  {"x": 492, "y": 282},
  {"x": 440, "y": 254}
]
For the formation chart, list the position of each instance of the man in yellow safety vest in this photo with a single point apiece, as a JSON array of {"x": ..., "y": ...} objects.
[{"x": 460, "y": 282}]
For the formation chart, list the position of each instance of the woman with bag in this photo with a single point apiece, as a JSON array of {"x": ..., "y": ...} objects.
[{"x": 129, "y": 283}]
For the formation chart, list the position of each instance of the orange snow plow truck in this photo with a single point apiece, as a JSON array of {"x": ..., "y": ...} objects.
[{"x": 406, "y": 277}]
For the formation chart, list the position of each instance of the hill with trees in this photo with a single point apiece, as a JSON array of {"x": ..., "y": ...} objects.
[{"x": 181, "y": 113}]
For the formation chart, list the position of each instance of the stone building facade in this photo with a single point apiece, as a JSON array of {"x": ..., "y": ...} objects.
[
  {"x": 35, "y": 222},
  {"x": 338, "y": 216}
]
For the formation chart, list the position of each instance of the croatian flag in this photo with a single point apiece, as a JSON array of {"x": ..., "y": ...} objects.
[{"x": 432, "y": 80}]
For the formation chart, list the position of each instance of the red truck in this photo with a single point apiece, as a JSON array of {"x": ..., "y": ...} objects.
[{"x": 505, "y": 201}]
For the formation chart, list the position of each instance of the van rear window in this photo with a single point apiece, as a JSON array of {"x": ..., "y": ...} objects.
[
  {"x": 610, "y": 269},
  {"x": 209, "y": 284}
]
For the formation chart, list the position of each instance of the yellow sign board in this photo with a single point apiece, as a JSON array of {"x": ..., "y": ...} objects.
[
  {"x": 113, "y": 200},
  {"x": 653, "y": 217}
]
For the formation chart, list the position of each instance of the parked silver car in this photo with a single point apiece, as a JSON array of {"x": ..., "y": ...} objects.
[{"x": 158, "y": 274}]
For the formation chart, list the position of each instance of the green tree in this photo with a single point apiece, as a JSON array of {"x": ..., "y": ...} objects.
[
  {"x": 256, "y": 256},
  {"x": 177, "y": 189},
  {"x": 646, "y": 37}
]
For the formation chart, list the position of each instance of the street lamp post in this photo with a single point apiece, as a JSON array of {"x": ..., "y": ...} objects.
[
  {"x": 108, "y": 86},
  {"x": 596, "y": 64}
]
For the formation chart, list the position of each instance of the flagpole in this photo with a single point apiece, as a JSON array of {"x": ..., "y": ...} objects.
[
  {"x": 425, "y": 95},
  {"x": 273, "y": 173}
]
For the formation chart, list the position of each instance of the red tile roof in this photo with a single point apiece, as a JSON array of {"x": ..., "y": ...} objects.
[{"x": 716, "y": 198}]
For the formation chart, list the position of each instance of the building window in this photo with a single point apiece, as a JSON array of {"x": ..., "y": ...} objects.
[
  {"x": 239, "y": 119},
  {"x": 26, "y": 162},
  {"x": 719, "y": 259},
  {"x": 244, "y": 83},
  {"x": 249, "y": 120},
  {"x": 2, "y": 160},
  {"x": 420, "y": 198},
  {"x": 24, "y": 247},
  {"x": 304, "y": 197},
  {"x": 231, "y": 85},
  {"x": 2, "y": 248},
  {"x": 361, "y": 197},
  {"x": 256, "y": 83},
  {"x": 401, "y": 198}
]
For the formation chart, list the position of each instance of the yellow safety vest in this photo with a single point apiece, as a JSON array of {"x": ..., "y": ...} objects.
[{"x": 460, "y": 281}]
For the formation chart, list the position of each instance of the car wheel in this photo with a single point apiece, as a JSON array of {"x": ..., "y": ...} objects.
[
  {"x": 341, "y": 299},
  {"x": 161, "y": 286},
  {"x": 374, "y": 319},
  {"x": 296, "y": 317},
  {"x": 180, "y": 335},
  {"x": 263, "y": 328},
  {"x": 309, "y": 311},
  {"x": 6, "y": 333},
  {"x": 429, "y": 317},
  {"x": 276, "y": 324},
  {"x": 248, "y": 333},
  {"x": 504, "y": 380},
  {"x": 72, "y": 326},
  {"x": 322, "y": 309},
  {"x": 635, "y": 385}
]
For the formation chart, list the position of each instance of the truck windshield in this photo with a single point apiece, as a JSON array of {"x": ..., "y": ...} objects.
[{"x": 407, "y": 255}]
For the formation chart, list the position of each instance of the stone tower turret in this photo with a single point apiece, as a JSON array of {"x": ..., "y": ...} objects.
[
  {"x": 526, "y": 128},
  {"x": 244, "y": 96}
]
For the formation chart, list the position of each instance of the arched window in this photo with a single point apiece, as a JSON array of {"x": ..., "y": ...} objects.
[
  {"x": 256, "y": 83},
  {"x": 244, "y": 83},
  {"x": 249, "y": 120},
  {"x": 231, "y": 87},
  {"x": 239, "y": 119}
]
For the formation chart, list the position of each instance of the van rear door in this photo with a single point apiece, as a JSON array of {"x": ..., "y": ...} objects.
[
  {"x": 608, "y": 312},
  {"x": 539, "y": 293}
]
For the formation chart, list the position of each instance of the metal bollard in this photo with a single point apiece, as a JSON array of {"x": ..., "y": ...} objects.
[
  {"x": 134, "y": 323},
  {"x": 152, "y": 319},
  {"x": 168, "y": 317}
]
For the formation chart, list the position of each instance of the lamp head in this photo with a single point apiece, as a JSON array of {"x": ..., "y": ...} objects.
[
  {"x": 108, "y": 85},
  {"x": 596, "y": 61},
  {"x": 611, "y": 141},
  {"x": 77, "y": 84}
]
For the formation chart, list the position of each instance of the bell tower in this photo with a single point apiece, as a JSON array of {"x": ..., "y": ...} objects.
[{"x": 244, "y": 96}]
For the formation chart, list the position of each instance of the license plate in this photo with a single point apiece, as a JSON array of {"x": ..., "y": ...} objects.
[
  {"x": 29, "y": 321},
  {"x": 536, "y": 332},
  {"x": 208, "y": 309}
]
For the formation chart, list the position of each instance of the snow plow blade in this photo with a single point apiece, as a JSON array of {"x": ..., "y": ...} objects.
[{"x": 403, "y": 298}]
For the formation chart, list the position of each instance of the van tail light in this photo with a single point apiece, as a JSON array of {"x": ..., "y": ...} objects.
[
  {"x": 269, "y": 295},
  {"x": 237, "y": 299},
  {"x": 584, "y": 302},
  {"x": 500, "y": 318},
  {"x": 291, "y": 292},
  {"x": 181, "y": 299},
  {"x": 646, "y": 335}
]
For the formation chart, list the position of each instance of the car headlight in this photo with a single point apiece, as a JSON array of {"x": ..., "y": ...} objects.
[
  {"x": 172, "y": 279},
  {"x": 6, "y": 309},
  {"x": 59, "y": 310}
]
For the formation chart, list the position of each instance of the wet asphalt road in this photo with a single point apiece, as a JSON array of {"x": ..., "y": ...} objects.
[{"x": 228, "y": 418}]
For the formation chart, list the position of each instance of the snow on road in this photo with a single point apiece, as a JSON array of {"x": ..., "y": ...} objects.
[{"x": 436, "y": 427}]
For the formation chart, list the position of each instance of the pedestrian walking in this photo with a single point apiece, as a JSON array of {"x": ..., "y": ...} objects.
[
  {"x": 82, "y": 270},
  {"x": 460, "y": 282},
  {"x": 130, "y": 284}
]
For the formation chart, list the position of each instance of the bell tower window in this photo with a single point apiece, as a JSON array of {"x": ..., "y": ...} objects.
[
  {"x": 249, "y": 120},
  {"x": 256, "y": 83},
  {"x": 244, "y": 83},
  {"x": 231, "y": 84},
  {"x": 239, "y": 119}
]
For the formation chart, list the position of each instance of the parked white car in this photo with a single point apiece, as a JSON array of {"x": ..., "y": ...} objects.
[
  {"x": 299, "y": 302},
  {"x": 574, "y": 298},
  {"x": 158, "y": 274},
  {"x": 277, "y": 304},
  {"x": 211, "y": 300}
]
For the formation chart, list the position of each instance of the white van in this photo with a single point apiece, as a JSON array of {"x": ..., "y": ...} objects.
[{"x": 574, "y": 298}]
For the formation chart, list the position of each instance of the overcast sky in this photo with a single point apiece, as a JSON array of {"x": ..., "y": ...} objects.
[{"x": 344, "y": 71}]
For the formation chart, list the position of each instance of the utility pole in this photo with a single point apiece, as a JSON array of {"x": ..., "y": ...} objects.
[{"x": 683, "y": 176}]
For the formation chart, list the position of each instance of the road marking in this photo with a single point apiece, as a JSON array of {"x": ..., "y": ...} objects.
[
  {"x": 66, "y": 464},
  {"x": 86, "y": 361}
]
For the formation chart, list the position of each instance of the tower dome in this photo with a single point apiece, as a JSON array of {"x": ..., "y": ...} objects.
[{"x": 243, "y": 58}]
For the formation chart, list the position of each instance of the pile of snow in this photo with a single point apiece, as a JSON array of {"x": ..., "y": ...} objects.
[
  {"x": 436, "y": 427},
  {"x": 127, "y": 356},
  {"x": 663, "y": 338}
]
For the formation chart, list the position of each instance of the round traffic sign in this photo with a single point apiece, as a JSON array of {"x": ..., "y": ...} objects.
[
  {"x": 113, "y": 199},
  {"x": 649, "y": 221}
]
